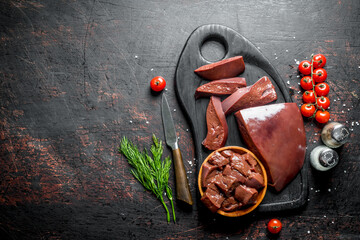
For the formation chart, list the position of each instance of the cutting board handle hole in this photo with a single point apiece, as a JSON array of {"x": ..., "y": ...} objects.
[{"x": 214, "y": 48}]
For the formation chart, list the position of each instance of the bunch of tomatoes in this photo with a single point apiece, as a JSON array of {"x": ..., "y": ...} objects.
[{"x": 315, "y": 97}]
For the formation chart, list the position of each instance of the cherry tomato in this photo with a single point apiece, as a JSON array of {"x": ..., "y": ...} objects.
[
  {"x": 309, "y": 97},
  {"x": 322, "y": 116},
  {"x": 305, "y": 67},
  {"x": 319, "y": 61},
  {"x": 307, "y": 110},
  {"x": 322, "y": 89},
  {"x": 319, "y": 75},
  {"x": 306, "y": 83},
  {"x": 323, "y": 102},
  {"x": 274, "y": 226},
  {"x": 158, "y": 84}
]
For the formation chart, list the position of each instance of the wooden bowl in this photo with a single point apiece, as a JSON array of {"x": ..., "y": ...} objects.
[{"x": 261, "y": 194}]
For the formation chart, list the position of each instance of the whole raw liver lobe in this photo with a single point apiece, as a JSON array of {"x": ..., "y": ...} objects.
[
  {"x": 275, "y": 134},
  {"x": 217, "y": 128},
  {"x": 227, "y": 68},
  {"x": 260, "y": 93},
  {"x": 220, "y": 87}
]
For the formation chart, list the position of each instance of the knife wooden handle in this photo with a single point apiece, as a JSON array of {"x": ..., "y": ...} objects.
[{"x": 182, "y": 185}]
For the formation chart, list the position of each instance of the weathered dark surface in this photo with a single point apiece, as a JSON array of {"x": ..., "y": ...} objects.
[{"x": 74, "y": 80}]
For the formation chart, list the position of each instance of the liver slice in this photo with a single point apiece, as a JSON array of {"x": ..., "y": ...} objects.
[
  {"x": 260, "y": 93},
  {"x": 220, "y": 87},
  {"x": 227, "y": 68},
  {"x": 275, "y": 134},
  {"x": 238, "y": 162},
  {"x": 217, "y": 128},
  {"x": 230, "y": 204}
]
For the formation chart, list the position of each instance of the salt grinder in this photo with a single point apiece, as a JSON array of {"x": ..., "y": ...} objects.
[
  {"x": 334, "y": 134},
  {"x": 323, "y": 158}
]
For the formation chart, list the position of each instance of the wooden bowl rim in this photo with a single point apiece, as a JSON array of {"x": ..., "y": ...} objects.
[{"x": 261, "y": 195}]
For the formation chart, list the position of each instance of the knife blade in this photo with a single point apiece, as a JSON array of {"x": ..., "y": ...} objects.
[{"x": 182, "y": 185}]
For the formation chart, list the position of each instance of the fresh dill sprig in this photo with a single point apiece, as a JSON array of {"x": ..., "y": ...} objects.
[{"x": 151, "y": 172}]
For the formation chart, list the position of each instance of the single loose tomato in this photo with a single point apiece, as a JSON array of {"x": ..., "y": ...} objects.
[
  {"x": 309, "y": 97},
  {"x": 323, "y": 102},
  {"x": 322, "y": 89},
  {"x": 307, "y": 110},
  {"x": 305, "y": 67},
  {"x": 319, "y": 61},
  {"x": 274, "y": 226},
  {"x": 322, "y": 116},
  {"x": 157, "y": 83},
  {"x": 319, "y": 75},
  {"x": 306, "y": 83}
]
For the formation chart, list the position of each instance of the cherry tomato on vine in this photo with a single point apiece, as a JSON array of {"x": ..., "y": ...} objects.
[
  {"x": 157, "y": 83},
  {"x": 319, "y": 75},
  {"x": 322, "y": 116},
  {"x": 307, "y": 110},
  {"x": 319, "y": 61},
  {"x": 322, "y": 89},
  {"x": 323, "y": 102},
  {"x": 306, "y": 83},
  {"x": 274, "y": 226},
  {"x": 305, "y": 67},
  {"x": 309, "y": 97}
]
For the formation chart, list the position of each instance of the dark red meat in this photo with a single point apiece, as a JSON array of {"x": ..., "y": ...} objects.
[
  {"x": 217, "y": 128},
  {"x": 260, "y": 93},
  {"x": 275, "y": 134},
  {"x": 220, "y": 87},
  {"x": 246, "y": 195},
  {"x": 208, "y": 173},
  {"x": 228, "y": 171},
  {"x": 212, "y": 198},
  {"x": 238, "y": 162},
  {"x": 255, "y": 180},
  {"x": 218, "y": 159},
  {"x": 227, "y": 68},
  {"x": 225, "y": 183},
  {"x": 230, "y": 204}
]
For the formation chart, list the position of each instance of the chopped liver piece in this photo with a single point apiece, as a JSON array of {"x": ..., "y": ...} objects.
[
  {"x": 217, "y": 128},
  {"x": 220, "y": 87},
  {"x": 227, "y": 68},
  {"x": 212, "y": 198},
  {"x": 260, "y": 93},
  {"x": 230, "y": 204},
  {"x": 275, "y": 134},
  {"x": 237, "y": 161},
  {"x": 225, "y": 183},
  {"x": 208, "y": 172},
  {"x": 227, "y": 153},
  {"x": 228, "y": 171},
  {"x": 218, "y": 159},
  {"x": 255, "y": 180},
  {"x": 246, "y": 195}
]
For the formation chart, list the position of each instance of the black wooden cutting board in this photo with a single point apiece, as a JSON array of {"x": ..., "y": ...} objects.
[{"x": 256, "y": 66}]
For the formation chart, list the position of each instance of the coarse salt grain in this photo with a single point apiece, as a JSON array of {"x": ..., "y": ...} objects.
[
  {"x": 147, "y": 122},
  {"x": 136, "y": 56},
  {"x": 288, "y": 51},
  {"x": 329, "y": 190},
  {"x": 174, "y": 109},
  {"x": 130, "y": 121},
  {"x": 276, "y": 57},
  {"x": 344, "y": 105},
  {"x": 288, "y": 82},
  {"x": 344, "y": 171},
  {"x": 297, "y": 62},
  {"x": 308, "y": 231}
]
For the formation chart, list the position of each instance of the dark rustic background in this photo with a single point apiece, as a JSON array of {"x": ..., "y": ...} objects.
[{"x": 75, "y": 78}]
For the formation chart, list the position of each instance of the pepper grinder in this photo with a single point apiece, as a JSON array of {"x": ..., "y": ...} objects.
[
  {"x": 323, "y": 158},
  {"x": 334, "y": 134}
]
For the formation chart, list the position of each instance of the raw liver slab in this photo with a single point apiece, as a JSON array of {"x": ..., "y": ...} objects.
[{"x": 275, "y": 134}]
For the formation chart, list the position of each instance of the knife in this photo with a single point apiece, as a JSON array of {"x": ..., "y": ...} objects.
[{"x": 182, "y": 185}]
